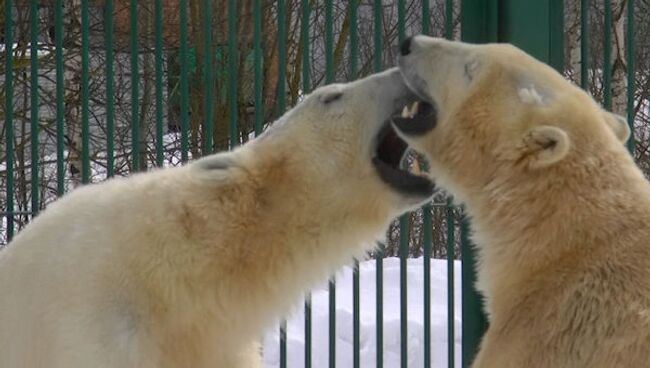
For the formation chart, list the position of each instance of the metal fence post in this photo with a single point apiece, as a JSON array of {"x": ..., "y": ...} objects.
[
  {"x": 537, "y": 28},
  {"x": 478, "y": 25}
]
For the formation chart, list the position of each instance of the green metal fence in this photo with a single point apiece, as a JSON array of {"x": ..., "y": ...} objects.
[{"x": 208, "y": 75}]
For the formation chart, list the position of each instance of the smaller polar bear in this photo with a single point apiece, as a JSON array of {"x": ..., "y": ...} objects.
[
  {"x": 560, "y": 211},
  {"x": 186, "y": 267}
]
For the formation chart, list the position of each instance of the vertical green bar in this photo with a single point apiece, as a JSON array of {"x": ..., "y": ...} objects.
[
  {"x": 584, "y": 44},
  {"x": 449, "y": 19},
  {"x": 232, "y": 71},
  {"x": 257, "y": 56},
  {"x": 208, "y": 78},
  {"x": 356, "y": 313},
  {"x": 630, "y": 73},
  {"x": 426, "y": 20},
  {"x": 282, "y": 72},
  {"x": 403, "y": 231},
  {"x": 159, "y": 83},
  {"x": 451, "y": 315},
  {"x": 379, "y": 256},
  {"x": 135, "y": 88},
  {"x": 33, "y": 94},
  {"x": 110, "y": 94},
  {"x": 474, "y": 321},
  {"x": 329, "y": 77},
  {"x": 329, "y": 41},
  {"x": 607, "y": 55},
  {"x": 479, "y": 25},
  {"x": 184, "y": 85},
  {"x": 306, "y": 87},
  {"x": 451, "y": 244},
  {"x": 60, "y": 109},
  {"x": 9, "y": 115},
  {"x": 427, "y": 238},
  {"x": 85, "y": 94}
]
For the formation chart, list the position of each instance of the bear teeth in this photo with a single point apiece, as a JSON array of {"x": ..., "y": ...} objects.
[{"x": 410, "y": 111}]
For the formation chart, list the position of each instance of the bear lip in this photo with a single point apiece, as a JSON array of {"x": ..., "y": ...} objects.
[{"x": 389, "y": 152}]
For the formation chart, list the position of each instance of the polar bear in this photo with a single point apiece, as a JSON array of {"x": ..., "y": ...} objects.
[
  {"x": 560, "y": 212},
  {"x": 186, "y": 267}
]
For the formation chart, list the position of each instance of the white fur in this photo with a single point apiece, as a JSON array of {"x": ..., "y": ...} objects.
[{"x": 185, "y": 267}]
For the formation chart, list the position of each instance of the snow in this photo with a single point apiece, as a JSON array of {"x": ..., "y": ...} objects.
[{"x": 391, "y": 312}]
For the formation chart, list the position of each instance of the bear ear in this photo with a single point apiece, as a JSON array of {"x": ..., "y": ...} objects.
[
  {"x": 619, "y": 126},
  {"x": 546, "y": 145}
]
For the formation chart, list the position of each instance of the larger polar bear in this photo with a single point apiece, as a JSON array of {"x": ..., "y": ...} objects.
[
  {"x": 560, "y": 211},
  {"x": 186, "y": 267}
]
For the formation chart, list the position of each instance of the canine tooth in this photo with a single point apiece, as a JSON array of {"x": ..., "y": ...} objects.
[
  {"x": 414, "y": 108},
  {"x": 405, "y": 112},
  {"x": 416, "y": 169}
]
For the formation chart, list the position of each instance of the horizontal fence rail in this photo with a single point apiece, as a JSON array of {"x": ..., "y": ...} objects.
[{"x": 93, "y": 90}]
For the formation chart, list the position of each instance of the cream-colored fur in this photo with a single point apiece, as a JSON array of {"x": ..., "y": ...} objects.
[
  {"x": 186, "y": 267},
  {"x": 560, "y": 212}
]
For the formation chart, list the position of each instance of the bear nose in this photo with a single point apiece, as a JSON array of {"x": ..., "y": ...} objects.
[{"x": 405, "y": 48}]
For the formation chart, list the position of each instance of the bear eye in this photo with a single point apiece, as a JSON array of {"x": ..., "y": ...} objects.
[{"x": 331, "y": 97}]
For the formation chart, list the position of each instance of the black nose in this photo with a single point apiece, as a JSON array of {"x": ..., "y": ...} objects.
[{"x": 405, "y": 48}]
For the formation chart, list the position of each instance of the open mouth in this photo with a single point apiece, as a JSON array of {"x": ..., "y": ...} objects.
[
  {"x": 391, "y": 150},
  {"x": 418, "y": 120}
]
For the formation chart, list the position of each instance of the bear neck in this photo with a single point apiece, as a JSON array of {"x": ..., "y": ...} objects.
[
  {"x": 524, "y": 229},
  {"x": 286, "y": 237}
]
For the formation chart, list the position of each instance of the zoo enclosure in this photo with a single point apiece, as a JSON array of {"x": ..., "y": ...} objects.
[{"x": 94, "y": 89}]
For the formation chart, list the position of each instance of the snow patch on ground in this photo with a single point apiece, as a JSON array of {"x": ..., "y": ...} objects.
[{"x": 391, "y": 324}]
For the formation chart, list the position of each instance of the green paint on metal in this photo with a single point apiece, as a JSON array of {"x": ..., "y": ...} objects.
[
  {"x": 535, "y": 26},
  {"x": 283, "y": 344},
  {"x": 304, "y": 36},
  {"x": 401, "y": 21},
  {"x": 403, "y": 230},
  {"x": 306, "y": 87},
  {"x": 332, "y": 322},
  {"x": 33, "y": 114},
  {"x": 85, "y": 94},
  {"x": 60, "y": 109},
  {"x": 356, "y": 312},
  {"x": 282, "y": 56},
  {"x": 451, "y": 246},
  {"x": 135, "y": 89},
  {"x": 630, "y": 73},
  {"x": 555, "y": 26},
  {"x": 474, "y": 321},
  {"x": 426, "y": 19},
  {"x": 427, "y": 240},
  {"x": 403, "y": 295},
  {"x": 110, "y": 90},
  {"x": 184, "y": 84},
  {"x": 308, "y": 330},
  {"x": 232, "y": 71},
  {"x": 159, "y": 82},
  {"x": 479, "y": 20},
  {"x": 9, "y": 116},
  {"x": 257, "y": 60},
  {"x": 379, "y": 255},
  {"x": 208, "y": 82},
  {"x": 607, "y": 56},
  {"x": 281, "y": 106},
  {"x": 329, "y": 42},
  {"x": 378, "y": 36},
  {"x": 449, "y": 19},
  {"x": 584, "y": 44},
  {"x": 478, "y": 25},
  {"x": 329, "y": 77}
]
